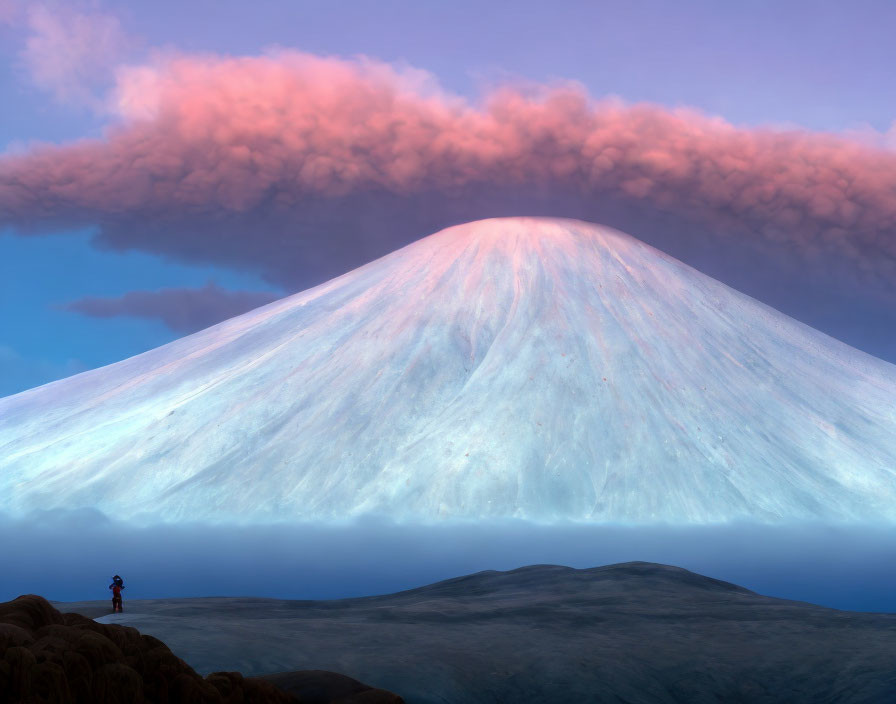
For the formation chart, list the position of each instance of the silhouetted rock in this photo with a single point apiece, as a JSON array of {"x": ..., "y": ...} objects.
[
  {"x": 320, "y": 687},
  {"x": 50, "y": 657}
]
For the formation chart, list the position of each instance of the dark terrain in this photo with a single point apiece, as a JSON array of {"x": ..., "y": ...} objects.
[
  {"x": 634, "y": 632},
  {"x": 47, "y": 657}
]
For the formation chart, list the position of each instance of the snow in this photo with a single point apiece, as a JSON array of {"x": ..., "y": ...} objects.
[{"x": 532, "y": 368}]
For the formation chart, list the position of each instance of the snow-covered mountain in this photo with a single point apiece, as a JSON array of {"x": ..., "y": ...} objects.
[{"x": 535, "y": 368}]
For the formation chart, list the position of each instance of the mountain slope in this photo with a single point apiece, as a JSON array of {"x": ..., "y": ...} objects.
[{"x": 521, "y": 367}]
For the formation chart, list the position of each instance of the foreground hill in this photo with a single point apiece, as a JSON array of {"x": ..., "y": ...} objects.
[
  {"x": 521, "y": 367},
  {"x": 51, "y": 658},
  {"x": 634, "y": 632}
]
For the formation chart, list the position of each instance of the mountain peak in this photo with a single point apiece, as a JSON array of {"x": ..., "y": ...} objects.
[
  {"x": 510, "y": 232},
  {"x": 519, "y": 244}
]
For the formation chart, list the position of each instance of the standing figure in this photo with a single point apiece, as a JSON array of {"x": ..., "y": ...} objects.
[{"x": 116, "y": 587}]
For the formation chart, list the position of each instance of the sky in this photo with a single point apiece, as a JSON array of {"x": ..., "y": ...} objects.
[{"x": 165, "y": 166}]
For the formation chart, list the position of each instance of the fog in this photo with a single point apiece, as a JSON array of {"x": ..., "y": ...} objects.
[{"x": 71, "y": 557}]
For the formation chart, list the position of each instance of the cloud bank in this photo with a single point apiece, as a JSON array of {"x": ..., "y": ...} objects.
[
  {"x": 299, "y": 167},
  {"x": 183, "y": 310},
  {"x": 70, "y": 556}
]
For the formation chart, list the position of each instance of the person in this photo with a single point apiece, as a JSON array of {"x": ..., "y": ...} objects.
[{"x": 116, "y": 587}]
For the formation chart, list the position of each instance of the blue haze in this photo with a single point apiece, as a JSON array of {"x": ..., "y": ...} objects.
[{"x": 70, "y": 557}]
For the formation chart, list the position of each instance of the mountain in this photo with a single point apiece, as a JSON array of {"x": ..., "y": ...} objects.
[{"x": 535, "y": 368}]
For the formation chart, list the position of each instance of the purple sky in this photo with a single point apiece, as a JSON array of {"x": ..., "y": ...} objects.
[{"x": 211, "y": 182}]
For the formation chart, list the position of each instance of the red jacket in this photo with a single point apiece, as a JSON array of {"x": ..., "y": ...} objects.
[{"x": 116, "y": 591}]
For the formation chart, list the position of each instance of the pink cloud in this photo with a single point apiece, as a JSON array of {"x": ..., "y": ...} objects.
[
  {"x": 181, "y": 309},
  {"x": 298, "y": 166},
  {"x": 72, "y": 54}
]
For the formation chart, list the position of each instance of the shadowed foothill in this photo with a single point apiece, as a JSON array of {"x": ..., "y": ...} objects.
[{"x": 50, "y": 657}]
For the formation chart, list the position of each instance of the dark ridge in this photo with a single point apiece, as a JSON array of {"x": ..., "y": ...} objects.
[
  {"x": 667, "y": 573},
  {"x": 540, "y": 577}
]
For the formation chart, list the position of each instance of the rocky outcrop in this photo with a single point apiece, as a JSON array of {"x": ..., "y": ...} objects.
[
  {"x": 321, "y": 687},
  {"x": 50, "y": 657}
]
